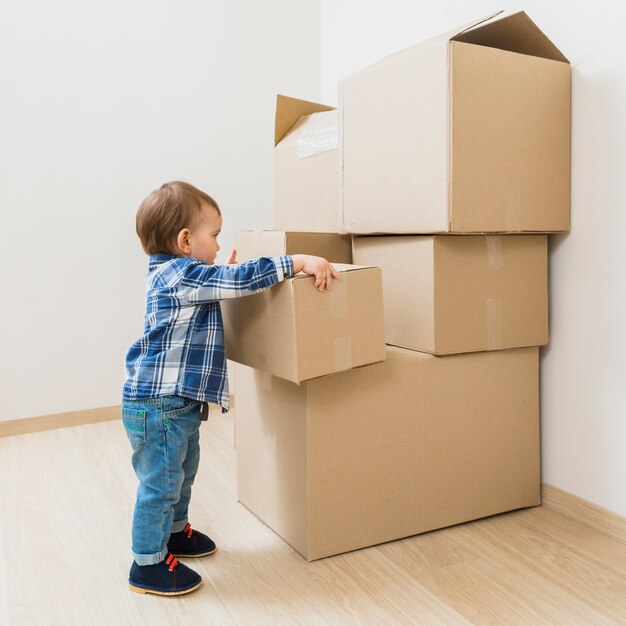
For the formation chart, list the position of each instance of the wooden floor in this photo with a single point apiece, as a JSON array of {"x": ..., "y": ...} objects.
[{"x": 66, "y": 499}]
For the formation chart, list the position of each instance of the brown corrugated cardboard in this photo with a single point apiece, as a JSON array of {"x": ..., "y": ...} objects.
[
  {"x": 306, "y": 167},
  {"x": 289, "y": 111},
  {"x": 466, "y": 293},
  {"x": 390, "y": 450},
  {"x": 468, "y": 132},
  {"x": 254, "y": 244},
  {"x": 294, "y": 331}
]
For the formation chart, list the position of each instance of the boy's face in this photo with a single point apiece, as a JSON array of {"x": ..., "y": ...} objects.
[{"x": 200, "y": 241}]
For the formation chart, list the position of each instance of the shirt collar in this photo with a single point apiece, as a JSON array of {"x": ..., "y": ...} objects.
[{"x": 157, "y": 259}]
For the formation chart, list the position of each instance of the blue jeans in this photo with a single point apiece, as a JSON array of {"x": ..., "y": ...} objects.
[{"x": 164, "y": 435}]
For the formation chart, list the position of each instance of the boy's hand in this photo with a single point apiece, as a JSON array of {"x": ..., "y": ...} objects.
[
  {"x": 323, "y": 271},
  {"x": 233, "y": 257}
]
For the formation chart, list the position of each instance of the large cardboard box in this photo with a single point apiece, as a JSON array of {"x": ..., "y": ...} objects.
[
  {"x": 254, "y": 244},
  {"x": 294, "y": 331},
  {"x": 390, "y": 450},
  {"x": 447, "y": 294},
  {"x": 306, "y": 167},
  {"x": 467, "y": 132}
]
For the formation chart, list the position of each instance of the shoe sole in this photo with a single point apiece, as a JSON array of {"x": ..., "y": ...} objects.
[
  {"x": 192, "y": 556},
  {"x": 163, "y": 593}
]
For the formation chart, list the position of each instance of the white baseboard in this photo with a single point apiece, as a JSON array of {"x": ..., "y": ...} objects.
[{"x": 27, "y": 425}]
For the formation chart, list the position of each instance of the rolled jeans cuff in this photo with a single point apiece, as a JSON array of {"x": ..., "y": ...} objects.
[
  {"x": 179, "y": 525},
  {"x": 150, "y": 559}
]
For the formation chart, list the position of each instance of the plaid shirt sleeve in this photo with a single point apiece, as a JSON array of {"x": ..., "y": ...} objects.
[{"x": 206, "y": 283}]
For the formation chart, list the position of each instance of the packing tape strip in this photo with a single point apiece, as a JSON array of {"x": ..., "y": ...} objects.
[
  {"x": 494, "y": 324},
  {"x": 495, "y": 258},
  {"x": 343, "y": 353},
  {"x": 320, "y": 134},
  {"x": 266, "y": 381}
]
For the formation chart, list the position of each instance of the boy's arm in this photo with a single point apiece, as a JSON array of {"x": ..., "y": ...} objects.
[
  {"x": 206, "y": 283},
  {"x": 218, "y": 282}
]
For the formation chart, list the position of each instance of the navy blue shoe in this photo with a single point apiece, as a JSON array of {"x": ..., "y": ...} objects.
[
  {"x": 190, "y": 543},
  {"x": 167, "y": 578}
]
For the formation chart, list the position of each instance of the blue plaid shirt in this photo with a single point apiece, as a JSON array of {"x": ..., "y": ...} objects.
[{"x": 181, "y": 351}]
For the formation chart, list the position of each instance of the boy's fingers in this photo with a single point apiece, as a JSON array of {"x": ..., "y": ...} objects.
[
  {"x": 324, "y": 277},
  {"x": 320, "y": 281}
]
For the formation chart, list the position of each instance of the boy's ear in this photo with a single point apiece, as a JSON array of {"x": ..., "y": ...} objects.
[{"x": 182, "y": 241}]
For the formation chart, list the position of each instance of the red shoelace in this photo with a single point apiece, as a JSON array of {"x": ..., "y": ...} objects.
[
  {"x": 188, "y": 530},
  {"x": 172, "y": 561}
]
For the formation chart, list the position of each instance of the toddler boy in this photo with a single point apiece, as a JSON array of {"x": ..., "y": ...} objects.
[{"x": 178, "y": 366}]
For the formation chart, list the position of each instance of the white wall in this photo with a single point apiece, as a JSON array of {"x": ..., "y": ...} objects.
[
  {"x": 101, "y": 103},
  {"x": 584, "y": 368}
]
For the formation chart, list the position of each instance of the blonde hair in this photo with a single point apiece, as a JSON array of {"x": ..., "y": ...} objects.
[{"x": 166, "y": 211}]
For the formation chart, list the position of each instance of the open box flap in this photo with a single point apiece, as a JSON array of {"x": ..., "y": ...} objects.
[
  {"x": 289, "y": 111},
  {"x": 515, "y": 33}
]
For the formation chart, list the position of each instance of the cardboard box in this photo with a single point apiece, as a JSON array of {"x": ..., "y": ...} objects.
[
  {"x": 306, "y": 167},
  {"x": 447, "y": 294},
  {"x": 467, "y": 132},
  {"x": 391, "y": 450},
  {"x": 294, "y": 331},
  {"x": 254, "y": 244}
]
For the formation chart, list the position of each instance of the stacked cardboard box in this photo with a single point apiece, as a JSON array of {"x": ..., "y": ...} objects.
[
  {"x": 466, "y": 133},
  {"x": 297, "y": 332},
  {"x": 387, "y": 451},
  {"x": 451, "y": 164},
  {"x": 451, "y": 294},
  {"x": 306, "y": 167}
]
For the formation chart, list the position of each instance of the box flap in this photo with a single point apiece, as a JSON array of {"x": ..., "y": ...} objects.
[
  {"x": 515, "y": 33},
  {"x": 289, "y": 111}
]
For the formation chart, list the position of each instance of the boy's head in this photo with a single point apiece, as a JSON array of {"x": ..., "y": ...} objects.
[{"x": 180, "y": 219}]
